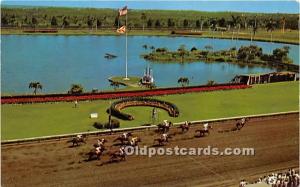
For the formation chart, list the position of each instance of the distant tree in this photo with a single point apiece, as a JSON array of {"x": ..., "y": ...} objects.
[
  {"x": 222, "y": 22},
  {"x": 169, "y": 22},
  {"x": 90, "y": 22},
  {"x": 248, "y": 53},
  {"x": 34, "y": 22},
  {"x": 53, "y": 21},
  {"x": 143, "y": 18},
  {"x": 283, "y": 21},
  {"x": 194, "y": 49},
  {"x": 281, "y": 54},
  {"x": 182, "y": 52},
  {"x": 35, "y": 86},
  {"x": 149, "y": 23},
  {"x": 115, "y": 85},
  {"x": 210, "y": 82},
  {"x": 185, "y": 23},
  {"x": 270, "y": 26},
  {"x": 65, "y": 22},
  {"x": 76, "y": 89},
  {"x": 157, "y": 23},
  {"x": 4, "y": 20},
  {"x": 99, "y": 23},
  {"x": 184, "y": 81},
  {"x": 117, "y": 21},
  {"x": 198, "y": 24}
]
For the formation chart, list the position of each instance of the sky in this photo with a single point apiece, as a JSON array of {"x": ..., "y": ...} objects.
[{"x": 266, "y": 6}]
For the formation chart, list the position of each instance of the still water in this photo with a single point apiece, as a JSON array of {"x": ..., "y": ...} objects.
[{"x": 59, "y": 61}]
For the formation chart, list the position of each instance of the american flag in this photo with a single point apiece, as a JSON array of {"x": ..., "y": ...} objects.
[
  {"x": 123, "y": 11},
  {"x": 121, "y": 30}
]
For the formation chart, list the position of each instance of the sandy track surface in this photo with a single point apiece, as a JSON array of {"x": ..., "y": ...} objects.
[{"x": 55, "y": 163}]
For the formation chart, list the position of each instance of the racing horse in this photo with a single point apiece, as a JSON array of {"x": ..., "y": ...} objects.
[
  {"x": 95, "y": 153},
  {"x": 241, "y": 123},
  {"x": 164, "y": 138},
  {"x": 118, "y": 155},
  {"x": 164, "y": 127},
  {"x": 185, "y": 127},
  {"x": 123, "y": 138},
  {"x": 78, "y": 139},
  {"x": 203, "y": 132}
]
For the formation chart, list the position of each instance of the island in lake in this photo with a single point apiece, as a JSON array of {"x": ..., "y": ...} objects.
[{"x": 248, "y": 55}]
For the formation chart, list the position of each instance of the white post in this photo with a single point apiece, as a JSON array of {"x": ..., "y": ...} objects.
[{"x": 126, "y": 76}]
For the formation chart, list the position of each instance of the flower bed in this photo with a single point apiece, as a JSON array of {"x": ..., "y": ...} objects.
[
  {"x": 117, "y": 106},
  {"x": 114, "y": 95}
]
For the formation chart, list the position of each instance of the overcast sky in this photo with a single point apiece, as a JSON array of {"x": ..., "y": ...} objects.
[{"x": 267, "y": 6}]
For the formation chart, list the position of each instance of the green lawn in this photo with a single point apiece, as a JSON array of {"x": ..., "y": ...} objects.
[{"x": 31, "y": 120}]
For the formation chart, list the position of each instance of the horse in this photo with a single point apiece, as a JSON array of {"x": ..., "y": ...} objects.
[
  {"x": 134, "y": 141},
  {"x": 118, "y": 155},
  {"x": 78, "y": 139},
  {"x": 162, "y": 127},
  {"x": 185, "y": 127},
  {"x": 241, "y": 123},
  {"x": 203, "y": 132},
  {"x": 95, "y": 153},
  {"x": 163, "y": 139},
  {"x": 123, "y": 137}
]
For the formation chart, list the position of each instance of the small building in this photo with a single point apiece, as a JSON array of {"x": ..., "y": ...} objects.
[
  {"x": 266, "y": 78},
  {"x": 148, "y": 77}
]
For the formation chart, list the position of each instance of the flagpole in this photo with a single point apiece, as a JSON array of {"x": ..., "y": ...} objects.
[{"x": 126, "y": 76}]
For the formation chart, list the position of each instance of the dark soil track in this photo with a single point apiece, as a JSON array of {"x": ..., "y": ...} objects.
[{"x": 54, "y": 163}]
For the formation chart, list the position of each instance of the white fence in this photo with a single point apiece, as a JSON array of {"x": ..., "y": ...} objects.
[{"x": 102, "y": 132}]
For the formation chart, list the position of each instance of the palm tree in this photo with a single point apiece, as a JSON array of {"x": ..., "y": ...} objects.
[
  {"x": 115, "y": 85},
  {"x": 76, "y": 89},
  {"x": 283, "y": 20},
  {"x": 35, "y": 86},
  {"x": 143, "y": 17},
  {"x": 210, "y": 82},
  {"x": 270, "y": 27},
  {"x": 182, "y": 51},
  {"x": 183, "y": 81}
]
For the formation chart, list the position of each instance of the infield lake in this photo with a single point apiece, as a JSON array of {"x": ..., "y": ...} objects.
[{"x": 59, "y": 61}]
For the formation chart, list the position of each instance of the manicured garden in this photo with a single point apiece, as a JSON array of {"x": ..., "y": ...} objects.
[{"x": 32, "y": 120}]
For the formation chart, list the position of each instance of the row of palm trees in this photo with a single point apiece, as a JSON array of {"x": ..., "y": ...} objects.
[{"x": 78, "y": 89}]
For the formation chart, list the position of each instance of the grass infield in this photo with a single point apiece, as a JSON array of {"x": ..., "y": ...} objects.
[{"x": 33, "y": 120}]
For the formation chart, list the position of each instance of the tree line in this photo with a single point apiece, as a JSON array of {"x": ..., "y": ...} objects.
[{"x": 143, "y": 19}]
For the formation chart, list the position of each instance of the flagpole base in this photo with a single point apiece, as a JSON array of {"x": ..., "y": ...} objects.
[{"x": 126, "y": 79}]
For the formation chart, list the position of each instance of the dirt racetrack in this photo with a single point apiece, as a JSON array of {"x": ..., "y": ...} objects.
[{"x": 55, "y": 163}]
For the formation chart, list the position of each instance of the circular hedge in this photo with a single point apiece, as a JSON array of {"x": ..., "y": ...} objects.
[{"x": 117, "y": 106}]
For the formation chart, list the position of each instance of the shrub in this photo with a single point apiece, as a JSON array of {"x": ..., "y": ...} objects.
[
  {"x": 98, "y": 125},
  {"x": 114, "y": 124}
]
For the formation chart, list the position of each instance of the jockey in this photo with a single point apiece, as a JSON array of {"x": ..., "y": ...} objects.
[
  {"x": 98, "y": 150},
  {"x": 166, "y": 123},
  {"x": 79, "y": 136},
  {"x": 243, "y": 121},
  {"x": 125, "y": 135},
  {"x": 122, "y": 151},
  {"x": 164, "y": 137},
  {"x": 100, "y": 142},
  {"x": 205, "y": 126}
]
